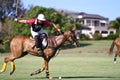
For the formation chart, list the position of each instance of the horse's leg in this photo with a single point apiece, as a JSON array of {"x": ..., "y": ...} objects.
[
  {"x": 115, "y": 58},
  {"x": 6, "y": 60},
  {"x": 46, "y": 62},
  {"x": 39, "y": 70},
  {"x": 3, "y": 67},
  {"x": 45, "y": 67},
  {"x": 13, "y": 67}
]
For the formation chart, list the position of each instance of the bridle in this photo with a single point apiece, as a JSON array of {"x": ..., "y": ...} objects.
[{"x": 72, "y": 37}]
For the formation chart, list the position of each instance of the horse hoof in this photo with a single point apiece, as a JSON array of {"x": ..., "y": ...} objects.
[
  {"x": 49, "y": 78},
  {"x": 1, "y": 71},
  {"x": 32, "y": 74},
  {"x": 11, "y": 72}
]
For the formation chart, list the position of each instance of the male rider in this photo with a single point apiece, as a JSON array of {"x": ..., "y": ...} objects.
[{"x": 37, "y": 31}]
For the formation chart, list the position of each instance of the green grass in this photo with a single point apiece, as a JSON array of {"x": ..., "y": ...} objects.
[{"x": 88, "y": 62}]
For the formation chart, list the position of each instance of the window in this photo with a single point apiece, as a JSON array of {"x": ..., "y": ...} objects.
[
  {"x": 104, "y": 32},
  {"x": 88, "y": 22},
  {"x": 111, "y": 32},
  {"x": 102, "y": 24},
  {"x": 97, "y": 32},
  {"x": 96, "y": 23}
]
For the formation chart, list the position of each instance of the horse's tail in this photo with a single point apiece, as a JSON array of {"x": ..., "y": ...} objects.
[{"x": 111, "y": 48}]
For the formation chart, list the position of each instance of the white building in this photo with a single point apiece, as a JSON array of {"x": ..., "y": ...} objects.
[{"x": 96, "y": 23}]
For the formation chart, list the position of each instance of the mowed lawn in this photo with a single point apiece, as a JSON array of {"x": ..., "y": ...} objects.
[{"x": 90, "y": 61}]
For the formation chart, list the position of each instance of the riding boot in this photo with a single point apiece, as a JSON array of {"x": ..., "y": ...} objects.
[
  {"x": 38, "y": 45},
  {"x": 42, "y": 40}
]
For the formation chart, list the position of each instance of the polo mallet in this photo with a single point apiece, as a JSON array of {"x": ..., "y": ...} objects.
[{"x": 16, "y": 13}]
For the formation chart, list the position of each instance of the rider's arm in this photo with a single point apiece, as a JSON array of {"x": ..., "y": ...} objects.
[
  {"x": 30, "y": 21},
  {"x": 56, "y": 27},
  {"x": 22, "y": 21},
  {"x": 51, "y": 24}
]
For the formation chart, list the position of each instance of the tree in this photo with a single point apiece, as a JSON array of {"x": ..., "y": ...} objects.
[
  {"x": 50, "y": 14},
  {"x": 115, "y": 24},
  {"x": 8, "y": 8},
  {"x": 62, "y": 20},
  {"x": 7, "y": 13}
]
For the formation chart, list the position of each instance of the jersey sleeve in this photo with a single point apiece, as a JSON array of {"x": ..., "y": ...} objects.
[
  {"x": 30, "y": 21},
  {"x": 48, "y": 23}
]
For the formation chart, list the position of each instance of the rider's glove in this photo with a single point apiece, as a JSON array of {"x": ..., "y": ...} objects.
[
  {"x": 60, "y": 32},
  {"x": 16, "y": 20}
]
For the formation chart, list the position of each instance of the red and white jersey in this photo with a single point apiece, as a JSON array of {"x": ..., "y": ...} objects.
[{"x": 32, "y": 21}]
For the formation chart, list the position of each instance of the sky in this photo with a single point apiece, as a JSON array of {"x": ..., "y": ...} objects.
[{"x": 106, "y": 8}]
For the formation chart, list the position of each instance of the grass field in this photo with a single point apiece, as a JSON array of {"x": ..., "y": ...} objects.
[{"x": 88, "y": 62}]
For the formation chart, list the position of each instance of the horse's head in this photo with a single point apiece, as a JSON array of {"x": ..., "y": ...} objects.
[{"x": 71, "y": 37}]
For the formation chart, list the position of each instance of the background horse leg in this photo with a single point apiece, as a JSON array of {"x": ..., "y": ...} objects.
[
  {"x": 117, "y": 54},
  {"x": 6, "y": 60},
  {"x": 115, "y": 58}
]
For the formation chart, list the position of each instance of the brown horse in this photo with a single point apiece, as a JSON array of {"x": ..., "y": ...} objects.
[
  {"x": 22, "y": 45},
  {"x": 117, "y": 43}
]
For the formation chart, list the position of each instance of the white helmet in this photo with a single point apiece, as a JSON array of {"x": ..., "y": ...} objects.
[{"x": 41, "y": 17}]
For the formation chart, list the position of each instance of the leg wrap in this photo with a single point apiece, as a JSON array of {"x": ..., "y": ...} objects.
[
  {"x": 13, "y": 67},
  {"x": 47, "y": 74},
  {"x": 37, "y": 71},
  {"x": 4, "y": 67}
]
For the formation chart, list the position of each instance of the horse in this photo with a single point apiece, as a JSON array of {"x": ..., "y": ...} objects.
[
  {"x": 22, "y": 45},
  {"x": 117, "y": 43}
]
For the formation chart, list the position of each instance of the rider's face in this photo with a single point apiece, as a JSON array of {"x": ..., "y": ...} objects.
[{"x": 39, "y": 21}]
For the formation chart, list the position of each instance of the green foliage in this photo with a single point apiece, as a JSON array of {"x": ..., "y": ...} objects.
[
  {"x": 60, "y": 19},
  {"x": 63, "y": 21},
  {"x": 112, "y": 36},
  {"x": 97, "y": 36},
  {"x": 83, "y": 37},
  {"x": 8, "y": 8},
  {"x": 115, "y": 24},
  {"x": 2, "y": 49}
]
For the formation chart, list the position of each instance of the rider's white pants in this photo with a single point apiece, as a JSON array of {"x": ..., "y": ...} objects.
[
  {"x": 37, "y": 33},
  {"x": 44, "y": 42}
]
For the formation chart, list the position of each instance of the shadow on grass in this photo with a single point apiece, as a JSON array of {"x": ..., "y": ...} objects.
[
  {"x": 89, "y": 77},
  {"x": 76, "y": 77},
  {"x": 70, "y": 46},
  {"x": 84, "y": 44}
]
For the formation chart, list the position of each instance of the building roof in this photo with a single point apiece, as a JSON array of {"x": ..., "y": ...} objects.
[
  {"x": 83, "y": 15},
  {"x": 92, "y": 16}
]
